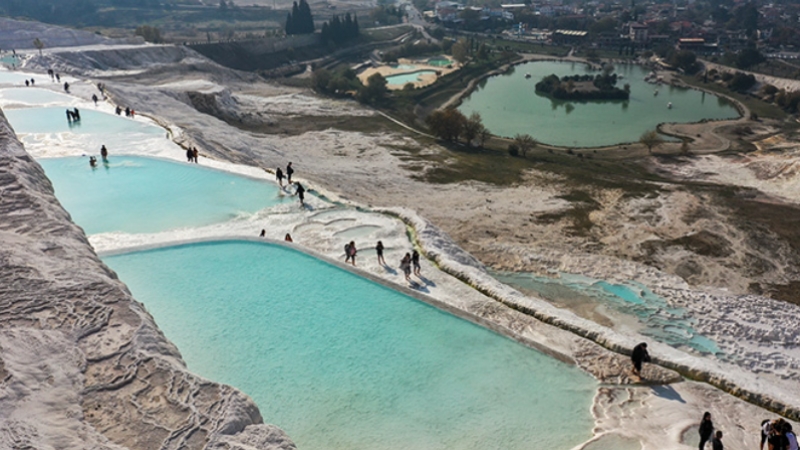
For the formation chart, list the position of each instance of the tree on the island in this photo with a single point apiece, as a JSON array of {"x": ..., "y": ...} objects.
[
  {"x": 148, "y": 33},
  {"x": 39, "y": 45},
  {"x": 651, "y": 139},
  {"x": 473, "y": 127},
  {"x": 524, "y": 143}
]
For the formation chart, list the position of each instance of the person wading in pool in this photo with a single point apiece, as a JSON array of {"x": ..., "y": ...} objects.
[
  {"x": 379, "y": 251},
  {"x": 300, "y": 192},
  {"x": 92, "y": 162},
  {"x": 289, "y": 172},
  {"x": 638, "y": 357},
  {"x": 104, "y": 153},
  {"x": 279, "y": 176}
]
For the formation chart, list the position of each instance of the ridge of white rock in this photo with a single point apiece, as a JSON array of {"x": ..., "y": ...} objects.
[
  {"x": 18, "y": 34},
  {"x": 82, "y": 364}
]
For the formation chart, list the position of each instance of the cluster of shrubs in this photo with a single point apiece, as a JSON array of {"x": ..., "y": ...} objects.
[{"x": 561, "y": 88}]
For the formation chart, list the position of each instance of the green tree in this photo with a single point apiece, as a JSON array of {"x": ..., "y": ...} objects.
[
  {"x": 524, "y": 143},
  {"x": 375, "y": 91},
  {"x": 150, "y": 34},
  {"x": 651, "y": 139},
  {"x": 447, "y": 124},
  {"x": 39, "y": 45},
  {"x": 460, "y": 51}
]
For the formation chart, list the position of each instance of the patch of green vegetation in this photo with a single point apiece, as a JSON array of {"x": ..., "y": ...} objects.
[
  {"x": 531, "y": 47},
  {"x": 385, "y": 33}
]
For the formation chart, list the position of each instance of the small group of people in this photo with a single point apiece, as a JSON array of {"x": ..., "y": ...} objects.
[
  {"x": 73, "y": 115},
  {"x": 128, "y": 112},
  {"x": 707, "y": 433},
  {"x": 29, "y": 83},
  {"x": 279, "y": 174},
  {"x": 350, "y": 253},
  {"x": 778, "y": 435},
  {"x": 287, "y": 238},
  {"x": 192, "y": 154},
  {"x": 103, "y": 155},
  {"x": 409, "y": 261},
  {"x": 53, "y": 76}
]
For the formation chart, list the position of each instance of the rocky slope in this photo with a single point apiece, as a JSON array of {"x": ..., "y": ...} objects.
[{"x": 82, "y": 363}]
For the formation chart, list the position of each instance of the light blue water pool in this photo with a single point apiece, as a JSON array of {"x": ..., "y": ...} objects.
[
  {"x": 33, "y": 96},
  {"x": 143, "y": 195},
  {"x": 405, "y": 67},
  {"x": 340, "y": 362},
  {"x": 439, "y": 62},
  {"x": 404, "y": 78},
  {"x": 54, "y": 120},
  {"x": 18, "y": 78},
  {"x": 667, "y": 324}
]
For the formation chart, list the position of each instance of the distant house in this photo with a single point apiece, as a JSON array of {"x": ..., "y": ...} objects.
[
  {"x": 637, "y": 32},
  {"x": 447, "y": 11}
]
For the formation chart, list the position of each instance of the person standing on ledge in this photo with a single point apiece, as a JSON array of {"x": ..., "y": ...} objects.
[
  {"x": 94, "y": 99},
  {"x": 415, "y": 262},
  {"x": 706, "y": 429},
  {"x": 289, "y": 172},
  {"x": 279, "y": 176},
  {"x": 379, "y": 251},
  {"x": 66, "y": 87},
  {"x": 638, "y": 357},
  {"x": 300, "y": 193}
]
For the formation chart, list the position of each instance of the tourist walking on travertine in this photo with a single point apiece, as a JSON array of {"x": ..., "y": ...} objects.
[
  {"x": 405, "y": 266},
  {"x": 289, "y": 172},
  {"x": 66, "y": 87},
  {"x": 195, "y": 154},
  {"x": 300, "y": 193},
  {"x": 638, "y": 357},
  {"x": 94, "y": 99},
  {"x": 790, "y": 436},
  {"x": 189, "y": 154},
  {"x": 415, "y": 262},
  {"x": 379, "y": 251},
  {"x": 288, "y": 238},
  {"x": 279, "y": 176},
  {"x": 706, "y": 430}
]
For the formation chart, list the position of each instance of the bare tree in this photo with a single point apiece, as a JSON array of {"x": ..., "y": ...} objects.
[
  {"x": 524, "y": 143},
  {"x": 39, "y": 45},
  {"x": 651, "y": 139},
  {"x": 473, "y": 127}
]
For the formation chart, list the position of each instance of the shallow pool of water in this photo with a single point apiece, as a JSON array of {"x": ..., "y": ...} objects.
[
  {"x": 32, "y": 96},
  {"x": 54, "y": 120},
  {"x": 509, "y": 105},
  {"x": 143, "y": 195},
  {"x": 340, "y": 362},
  {"x": 439, "y": 62},
  {"x": 17, "y": 78},
  {"x": 404, "y": 78},
  {"x": 665, "y": 323}
]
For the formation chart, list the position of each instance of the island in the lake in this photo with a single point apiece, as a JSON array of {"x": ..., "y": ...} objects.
[{"x": 583, "y": 87}]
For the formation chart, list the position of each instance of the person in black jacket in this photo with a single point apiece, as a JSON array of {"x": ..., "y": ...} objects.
[
  {"x": 716, "y": 443},
  {"x": 638, "y": 357},
  {"x": 706, "y": 429}
]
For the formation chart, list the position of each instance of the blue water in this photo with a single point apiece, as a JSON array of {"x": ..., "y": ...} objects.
[
  {"x": 340, "y": 362},
  {"x": 404, "y": 78},
  {"x": 34, "y": 96},
  {"x": 665, "y": 323},
  {"x": 143, "y": 195},
  {"x": 19, "y": 78},
  {"x": 54, "y": 120}
]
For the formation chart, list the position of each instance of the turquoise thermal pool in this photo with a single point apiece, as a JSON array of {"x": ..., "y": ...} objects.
[
  {"x": 404, "y": 78},
  {"x": 509, "y": 105},
  {"x": 54, "y": 120},
  {"x": 17, "y": 78},
  {"x": 33, "y": 96},
  {"x": 143, "y": 195},
  {"x": 341, "y": 362},
  {"x": 659, "y": 320},
  {"x": 439, "y": 62}
]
